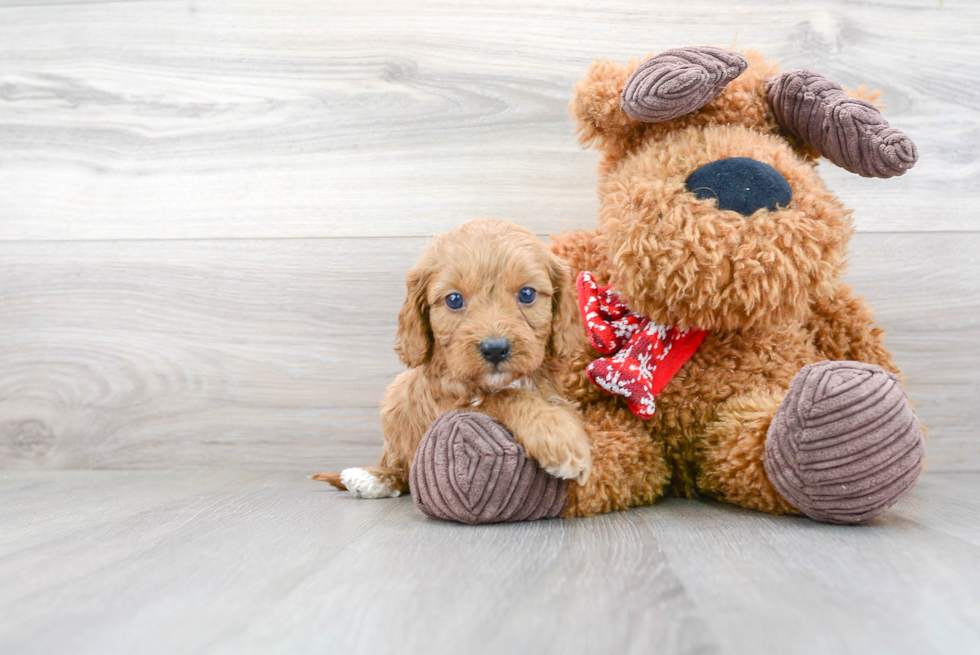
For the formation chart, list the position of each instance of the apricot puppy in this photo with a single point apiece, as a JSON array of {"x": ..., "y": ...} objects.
[{"x": 489, "y": 314}]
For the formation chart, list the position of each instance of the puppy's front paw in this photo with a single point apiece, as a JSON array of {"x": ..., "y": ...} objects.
[
  {"x": 365, "y": 484},
  {"x": 568, "y": 457},
  {"x": 573, "y": 467}
]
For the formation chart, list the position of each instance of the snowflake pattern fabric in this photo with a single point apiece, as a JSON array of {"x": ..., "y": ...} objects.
[{"x": 645, "y": 356}]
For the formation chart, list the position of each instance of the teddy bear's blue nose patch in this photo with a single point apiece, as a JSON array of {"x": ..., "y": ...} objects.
[{"x": 741, "y": 184}]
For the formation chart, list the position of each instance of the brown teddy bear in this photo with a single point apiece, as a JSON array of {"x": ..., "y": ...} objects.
[{"x": 721, "y": 353}]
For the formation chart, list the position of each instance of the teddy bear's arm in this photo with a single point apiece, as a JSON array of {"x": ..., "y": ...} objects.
[
  {"x": 843, "y": 328},
  {"x": 583, "y": 250}
]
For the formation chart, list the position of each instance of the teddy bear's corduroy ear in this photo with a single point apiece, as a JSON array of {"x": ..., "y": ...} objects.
[
  {"x": 849, "y": 131},
  {"x": 596, "y": 105},
  {"x": 680, "y": 81}
]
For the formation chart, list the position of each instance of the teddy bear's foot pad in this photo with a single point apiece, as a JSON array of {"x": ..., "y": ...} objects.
[
  {"x": 468, "y": 468},
  {"x": 845, "y": 443}
]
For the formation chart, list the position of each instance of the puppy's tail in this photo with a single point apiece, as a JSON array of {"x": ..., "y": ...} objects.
[{"x": 332, "y": 478}]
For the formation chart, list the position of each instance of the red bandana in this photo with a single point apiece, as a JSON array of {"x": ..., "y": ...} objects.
[{"x": 647, "y": 355}]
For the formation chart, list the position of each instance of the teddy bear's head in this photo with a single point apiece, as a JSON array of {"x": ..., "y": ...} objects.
[{"x": 711, "y": 209}]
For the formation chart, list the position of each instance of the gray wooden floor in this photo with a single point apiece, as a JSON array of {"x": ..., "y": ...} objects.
[
  {"x": 260, "y": 562},
  {"x": 206, "y": 211}
]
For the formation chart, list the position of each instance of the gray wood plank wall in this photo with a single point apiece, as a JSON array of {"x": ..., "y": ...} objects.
[{"x": 207, "y": 208}]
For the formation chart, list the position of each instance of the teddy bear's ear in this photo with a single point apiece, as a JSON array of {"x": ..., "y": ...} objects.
[
  {"x": 849, "y": 131},
  {"x": 596, "y": 104},
  {"x": 612, "y": 102},
  {"x": 680, "y": 81}
]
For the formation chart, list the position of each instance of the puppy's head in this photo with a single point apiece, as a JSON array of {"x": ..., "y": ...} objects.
[{"x": 487, "y": 304}]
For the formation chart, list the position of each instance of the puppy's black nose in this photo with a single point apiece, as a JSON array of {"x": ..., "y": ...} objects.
[
  {"x": 741, "y": 184},
  {"x": 495, "y": 349}
]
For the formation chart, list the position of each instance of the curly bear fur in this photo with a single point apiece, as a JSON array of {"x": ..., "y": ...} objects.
[{"x": 767, "y": 286}]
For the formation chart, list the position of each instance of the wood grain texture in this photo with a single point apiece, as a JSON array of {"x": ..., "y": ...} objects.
[
  {"x": 806, "y": 587},
  {"x": 207, "y": 208},
  {"x": 947, "y": 503},
  {"x": 226, "y": 562},
  {"x": 250, "y": 119},
  {"x": 274, "y": 354},
  {"x": 206, "y": 212}
]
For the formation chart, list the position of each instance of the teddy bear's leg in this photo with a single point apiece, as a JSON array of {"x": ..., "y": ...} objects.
[
  {"x": 469, "y": 468},
  {"x": 628, "y": 466},
  {"x": 842, "y": 446},
  {"x": 845, "y": 444},
  {"x": 733, "y": 465}
]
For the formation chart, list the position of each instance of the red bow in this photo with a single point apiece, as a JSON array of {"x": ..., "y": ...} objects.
[{"x": 647, "y": 355}]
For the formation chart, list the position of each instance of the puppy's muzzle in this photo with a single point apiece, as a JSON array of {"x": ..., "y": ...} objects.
[{"x": 495, "y": 349}]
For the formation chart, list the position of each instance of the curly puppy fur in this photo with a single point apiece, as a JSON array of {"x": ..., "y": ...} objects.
[
  {"x": 487, "y": 263},
  {"x": 767, "y": 286}
]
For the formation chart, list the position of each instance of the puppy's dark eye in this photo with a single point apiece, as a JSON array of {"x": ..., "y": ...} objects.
[
  {"x": 454, "y": 301},
  {"x": 527, "y": 296}
]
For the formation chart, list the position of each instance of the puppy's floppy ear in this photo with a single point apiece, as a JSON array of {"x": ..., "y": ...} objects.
[
  {"x": 566, "y": 330},
  {"x": 413, "y": 341}
]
